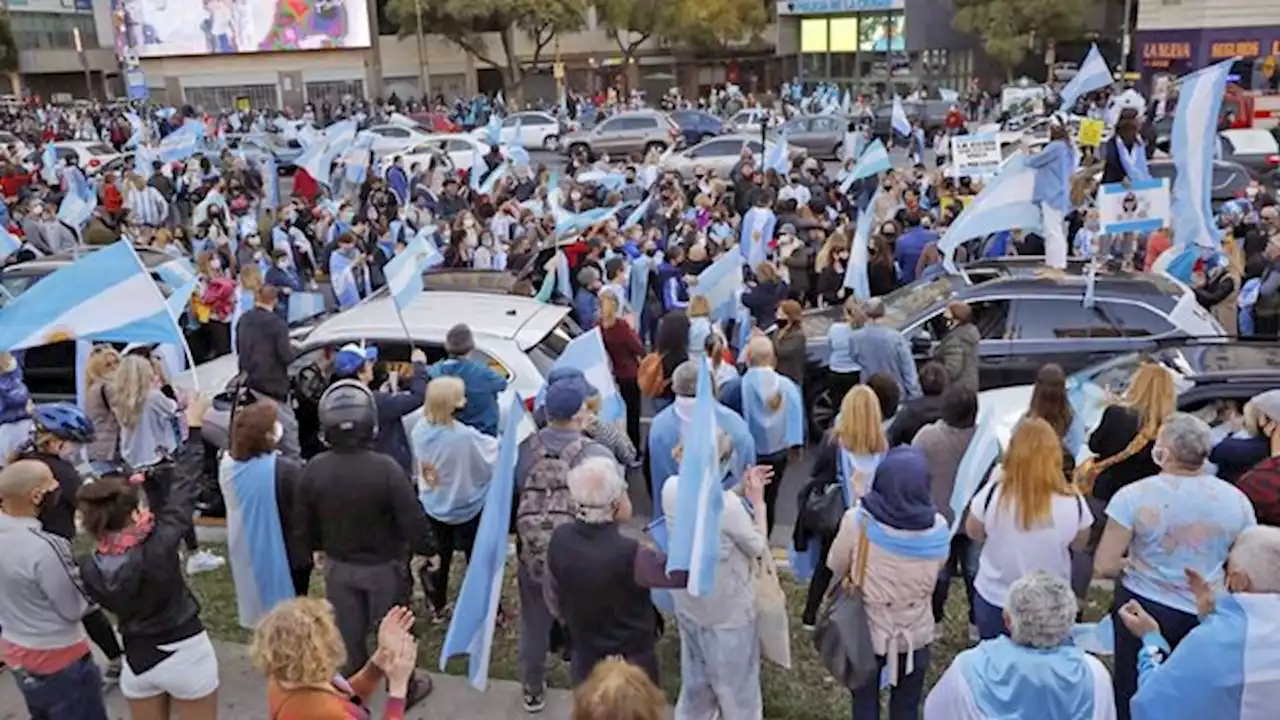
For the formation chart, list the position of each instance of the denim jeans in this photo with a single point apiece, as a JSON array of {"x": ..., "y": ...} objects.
[
  {"x": 989, "y": 618},
  {"x": 72, "y": 693},
  {"x": 904, "y": 698},
  {"x": 963, "y": 560},
  {"x": 1174, "y": 626}
]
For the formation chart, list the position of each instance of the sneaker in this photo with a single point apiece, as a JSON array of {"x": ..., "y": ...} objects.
[
  {"x": 204, "y": 561},
  {"x": 535, "y": 701},
  {"x": 973, "y": 633},
  {"x": 111, "y": 675},
  {"x": 420, "y": 686}
]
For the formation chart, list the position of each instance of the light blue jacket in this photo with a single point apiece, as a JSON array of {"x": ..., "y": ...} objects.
[{"x": 1053, "y": 175}]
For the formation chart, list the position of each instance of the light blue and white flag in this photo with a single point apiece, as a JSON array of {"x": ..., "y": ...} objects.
[
  {"x": 136, "y": 128},
  {"x": 491, "y": 182},
  {"x": 183, "y": 142},
  {"x": 873, "y": 161},
  {"x": 475, "y": 615},
  {"x": 84, "y": 349},
  {"x": 638, "y": 215},
  {"x": 898, "y": 118},
  {"x": 720, "y": 283},
  {"x": 103, "y": 296},
  {"x": 568, "y": 223},
  {"x": 855, "y": 273},
  {"x": 586, "y": 354},
  {"x": 1194, "y": 143},
  {"x": 49, "y": 165},
  {"x": 305, "y": 305},
  {"x": 695, "y": 530},
  {"x": 1095, "y": 638},
  {"x": 1228, "y": 668},
  {"x": 564, "y": 285},
  {"x": 608, "y": 180},
  {"x": 1005, "y": 203},
  {"x": 358, "y": 157},
  {"x": 78, "y": 202},
  {"x": 1092, "y": 75},
  {"x": 975, "y": 465},
  {"x": 776, "y": 158},
  {"x": 493, "y": 130},
  {"x": 342, "y": 277},
  {"x": 404, "y": 279},
  {"x": 758, "y": 225},
  {"x": 478, "y": 168},
  {"x": 774, "y": 428}
]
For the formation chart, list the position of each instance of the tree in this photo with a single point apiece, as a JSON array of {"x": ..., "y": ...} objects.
[
  {"x": 460, "y": 21},
  {"x": 1011, "y": 28},
  {"x": 699, "y": 24},
  {"x": 8, "y": 47}
]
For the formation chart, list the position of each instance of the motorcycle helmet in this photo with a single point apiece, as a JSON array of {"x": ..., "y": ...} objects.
[
  {"x": 348, "y": 415},
  {"x": 65, "y": 421}
]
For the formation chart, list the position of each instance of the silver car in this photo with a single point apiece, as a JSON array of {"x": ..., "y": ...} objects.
[
  {"x": 719, "y": 154},
  {"x": 821, "y": 136},
  {"x": 631, "y": 132}
]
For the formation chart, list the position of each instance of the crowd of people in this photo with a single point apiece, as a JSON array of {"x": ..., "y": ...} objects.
[{"x": 1181, "y": 516}]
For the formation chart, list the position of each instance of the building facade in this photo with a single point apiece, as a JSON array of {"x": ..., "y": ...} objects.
[
  {"x": 1177, "y": 36},
  {"x": 49, "y": 63}
]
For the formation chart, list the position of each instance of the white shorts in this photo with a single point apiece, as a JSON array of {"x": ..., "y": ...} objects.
[{"x": 190, "y": 673}]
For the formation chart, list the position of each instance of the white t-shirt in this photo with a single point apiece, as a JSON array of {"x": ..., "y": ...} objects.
[{"x": 1010, "y": 552}]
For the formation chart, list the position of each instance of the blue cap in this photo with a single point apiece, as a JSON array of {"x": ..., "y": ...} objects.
[
  {"x": 351, "y": 359},
  {"x": 571, "y": 373},
  {"x": 564, "y": 398}
]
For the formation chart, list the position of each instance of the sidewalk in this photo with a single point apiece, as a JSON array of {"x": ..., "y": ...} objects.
[{"x": 242, "y": 696}]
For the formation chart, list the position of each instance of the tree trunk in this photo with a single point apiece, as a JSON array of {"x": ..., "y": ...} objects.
[{"x": 512, "y": 74}]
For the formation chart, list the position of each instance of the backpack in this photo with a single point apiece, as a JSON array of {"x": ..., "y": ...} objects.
[
  {"x": 649, "y": 375},
  {"x": 544, "y": 503}
]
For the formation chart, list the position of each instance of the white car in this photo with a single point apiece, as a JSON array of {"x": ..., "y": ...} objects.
[
  {"x": 14, "y": 144},
  {"x": 518, "y": 337},
  {"x": 461, "y": 149},
  {"x": 531, "y": 128},
  {"x": 391, "y": 138},
  {"x": 718, "y": 155},
  {"x": 748, "y": 122},
  {"x": 91, "y": 156}
]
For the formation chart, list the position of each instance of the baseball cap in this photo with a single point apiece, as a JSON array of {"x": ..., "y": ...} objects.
[
  {"x": 564, "y": 398},
  {"x": 352, "y": 357}
]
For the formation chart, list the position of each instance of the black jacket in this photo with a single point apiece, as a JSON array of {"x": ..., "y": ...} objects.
[
  {"x": 58, "y": 511},
  {"x": 913, "y": 415},
  {"x": 263, "y": 352},
  {"x": 143, "y": 586}
]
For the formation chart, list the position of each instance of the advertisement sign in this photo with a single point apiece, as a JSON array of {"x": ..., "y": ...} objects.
[
  {"x": 975, "y": 155},
  {"x": 1143, "y": 206},
  {"x": 166, "y": 28},
  {"x": 882, "y": 33}
]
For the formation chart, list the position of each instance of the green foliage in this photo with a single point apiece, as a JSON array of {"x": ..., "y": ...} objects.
[
  {"x": 700, "y": 24},
  {"x": 1009, "y": 29}
]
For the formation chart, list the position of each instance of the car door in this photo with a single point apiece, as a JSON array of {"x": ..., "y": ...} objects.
[
  {"x": 537, "y": 129},
  {"x": 604, "y": 136},
  {"x": 827, "y": 133},
  {"x": 718, "y": 156},
  {"x": 1059, "y": 330},
  {"x": 797, "y": 133},
  {"x": 991, "y": 317}
]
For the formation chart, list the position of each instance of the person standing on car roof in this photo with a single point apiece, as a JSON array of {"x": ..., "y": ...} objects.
[
  {"x": 354, "y": 362},
  {"x": 363, "y": 522},
  {"x": 482, "y": 382},
  {"x": 263, "y": 354}
]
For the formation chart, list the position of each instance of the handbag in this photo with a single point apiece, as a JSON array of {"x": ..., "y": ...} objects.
[
  {"x": 771, "y": 613},
  {"x": 843, "y": 634},
  {"x": 823, "y": 510}
]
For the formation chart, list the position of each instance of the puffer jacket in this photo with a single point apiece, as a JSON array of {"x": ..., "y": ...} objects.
[{"x": 958, "y": 353}]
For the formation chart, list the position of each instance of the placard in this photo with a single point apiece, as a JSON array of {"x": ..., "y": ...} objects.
[
  {"x": 1139, "y": 206},
  {"x": 1090, "y": 133},
  {"x": 977, "y": 154}
]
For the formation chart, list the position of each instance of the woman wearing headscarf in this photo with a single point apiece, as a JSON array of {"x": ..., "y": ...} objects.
[
  {"x": 455, "y": 463},
  {"x": 1160, "y": 527},
  {"x": 892, "y": 544},
  {"x": 1035, "y": 671},
  {"x": 1028, "y": 517},
  {"x": 774, "y": 411}
]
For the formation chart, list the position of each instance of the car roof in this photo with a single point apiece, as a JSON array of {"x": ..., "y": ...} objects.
[
  {"x": 49, "y": 263},
  {"x": 431, "y": 314},
  {"x": 1154, "y": 289},
  {"x": 1223, "y": 359}
]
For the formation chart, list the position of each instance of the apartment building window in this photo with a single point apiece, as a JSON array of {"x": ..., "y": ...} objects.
[
  {"x": 37, "y": 30},
  {"x": 213, "y": 98}
]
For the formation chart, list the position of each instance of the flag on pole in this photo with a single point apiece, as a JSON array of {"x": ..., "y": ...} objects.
[
  {"x": 855, "y": 273},
  {"x": 720, "y": 283},
  {"x": 873, "y": 161},
  {"x": 1005, "y": 203},
  {"x": 475, "y": 615},
  {"x": 1194, "y": 143},
  {"x": 898, "y": 118},
  {"x": 586, "y": 354},
  {"x": 695, "y": 529},
  {"x": 1092, "y": 75}
]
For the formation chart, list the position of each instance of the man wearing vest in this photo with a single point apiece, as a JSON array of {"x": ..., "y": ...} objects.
[{"x": 544, "y": 504}]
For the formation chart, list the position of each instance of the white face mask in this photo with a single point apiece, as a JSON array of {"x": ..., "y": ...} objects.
[
  {"x": 255, "y": 241},
  {"x": 277, "y": 432},
  {"x": 575, "y": 195},
  {"x": 282, "y": 264}
]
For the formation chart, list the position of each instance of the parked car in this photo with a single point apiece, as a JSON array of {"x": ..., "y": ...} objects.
[
  {"x": 820, "y": 136},
  {"x": 518, "y": 337},
  {"x": 697, "y": 125},
  {"x": 88, "y": 155},
  {"x": 459, "y": 150},
  {"x": 933, "y": 113},
  {"x": 1027, "y": 320},
  {"x": 1256, "y": 150},
  {"x": 631, "y": 132},
  {"x": 749, "y": 121},
  {"x": 392, "y": 138},
  {"x": 718, "y": 155},
  {"x": 532, "y": 128}
]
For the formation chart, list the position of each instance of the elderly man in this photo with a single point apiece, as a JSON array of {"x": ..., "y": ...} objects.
[
  {"x": 670, "y": 424},
  {"x": 1035, "y": 671},
  {"x": 598, "y": 579},
  {"x": 1228, "y": 666},
  {"x": 878, "y": 348}
]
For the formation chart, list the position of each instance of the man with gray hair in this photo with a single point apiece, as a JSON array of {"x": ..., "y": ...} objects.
[
  {"x": 878, "y": 348},
  {"x": 598, "y": 579},
  {"x": 1227, "y": 667},
  {"x": 1035, "y": 671}
]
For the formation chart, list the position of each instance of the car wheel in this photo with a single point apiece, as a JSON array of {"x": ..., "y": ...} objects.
[
  {"x": 835, "y": 151},
  {"x": 581, "y": 148},
  {"x": 821, "y": 414},
  {"x": 661, "y": 147},
  {"x": 551, "y": 143}
]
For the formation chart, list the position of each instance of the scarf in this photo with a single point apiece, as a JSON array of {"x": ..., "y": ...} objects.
[
  {"x": 1006, "y": 679},
  {"x": 127, "y": 538},
  {"x": 1133, "y": 161},
  {"x": 901, "y": 497}
]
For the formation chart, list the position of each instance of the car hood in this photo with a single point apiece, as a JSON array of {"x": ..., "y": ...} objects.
[{"x": 209, "y": 378}]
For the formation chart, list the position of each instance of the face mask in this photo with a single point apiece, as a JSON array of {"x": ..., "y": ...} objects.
[
  {"x": 282, "y": 264},
  {"x": 347, "y": 217},
  {"x": 255, "y": 241},
  {"x": 575, "y": 195},
  {"x": 486, "y": 241},
  {"x": 277, "y": 432},
  {"x": 349, "y": 252},
  {"x": 1092, "y": 224}
]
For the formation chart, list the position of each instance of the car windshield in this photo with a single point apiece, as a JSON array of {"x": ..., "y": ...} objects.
[
  {"x": 1099, "y": 382},
  {"x": 1253, "y": 142},
  {"x": 99, "y": 149},
  {"x": 545, "y": 353},
  {"x": 906, "y": 303}
]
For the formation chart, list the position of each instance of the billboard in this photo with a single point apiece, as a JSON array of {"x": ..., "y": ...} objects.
[{"x": 167, "y": 28}]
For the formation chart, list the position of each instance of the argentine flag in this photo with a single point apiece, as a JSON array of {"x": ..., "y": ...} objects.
[
  {"x": 757, "y": 232},
  {"x": 1093, "y": 75},
  {"x": 775, "y": 158},
  {"x": 637, "y": 216},
  {"x": 898, "y": 118},
  {"x": 78, "y": 202},
  {"x": 720, "y": 283},
  {"x": 49, "y": 165},
  {"x": 342, "y": 276},
  {"x": 975, "y": 464},
  {"x": 104, "y": 296},
  {"x": 855, "y": 273},
  {"x": 586, "y": 353},
  {"x": 1194, "y": 143},
  {"x": 695, "y": 530},
  {"x": 471, "y": 629},
  {"x": 404, "y": 271},
  {"x": 1227, "y": 668},
  {"x": 873, "y": 161},
  {"x": 1005, "y": 203}
]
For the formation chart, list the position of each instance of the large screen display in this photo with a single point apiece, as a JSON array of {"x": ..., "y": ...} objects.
[{"x": 166, "y": 28}]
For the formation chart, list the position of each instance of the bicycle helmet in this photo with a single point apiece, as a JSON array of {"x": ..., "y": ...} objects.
[{"x": 65, "y": 421}]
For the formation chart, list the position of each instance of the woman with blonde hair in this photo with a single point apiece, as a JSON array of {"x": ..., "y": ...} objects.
[
  {"x": 1028, "y": 518},
  {"x": 1122, "y": 442},
  {"x": 298, "y": 648},
  {"x": 455, "y": 463},
  {"x": 618, "y": 690},
  {"x": 98, "y": 372},
  {"x": 847, "y": 458},
  {"x": 700, "y": 325},
  {"x": 774, "y": 411},
  {"x": 148, "y": 418},
  {"x": 842, "y": 370}
]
